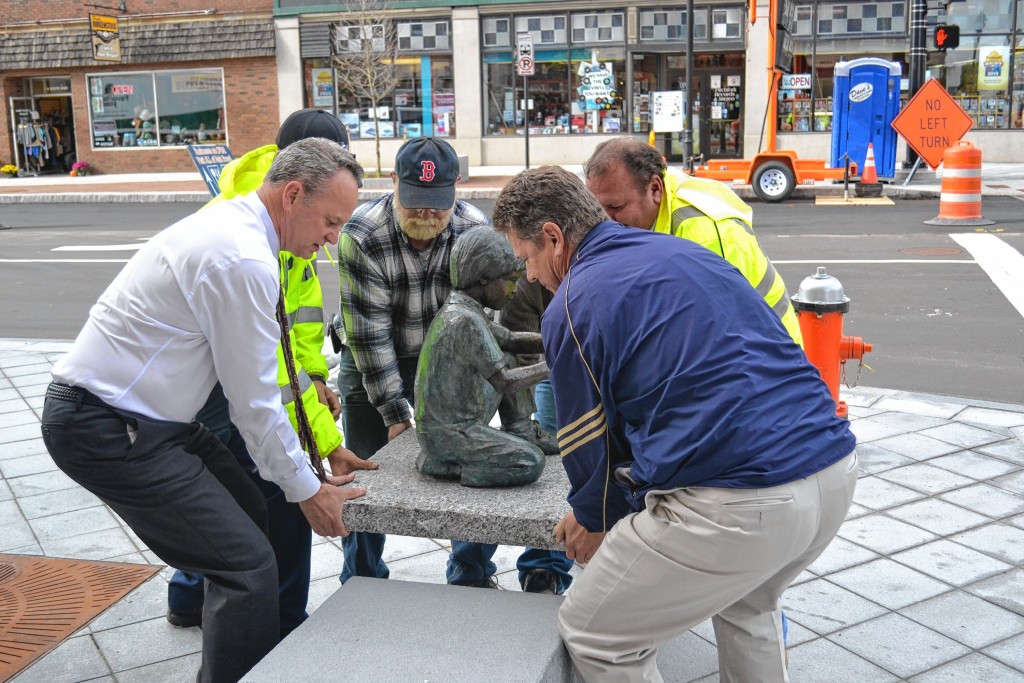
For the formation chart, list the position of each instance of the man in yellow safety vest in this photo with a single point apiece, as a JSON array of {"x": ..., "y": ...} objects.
[{"x": 635, "y": 187}]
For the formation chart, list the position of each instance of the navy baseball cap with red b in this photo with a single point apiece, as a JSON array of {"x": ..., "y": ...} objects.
[{"x": 427, "y": 170}]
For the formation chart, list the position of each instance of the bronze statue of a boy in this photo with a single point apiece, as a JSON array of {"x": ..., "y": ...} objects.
[{"x": 466, "y": 372}]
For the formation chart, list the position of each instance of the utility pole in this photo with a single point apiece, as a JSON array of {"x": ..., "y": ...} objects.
[
  {"x": 687, "y": 92},
  {"x": 918, "y": 56}
]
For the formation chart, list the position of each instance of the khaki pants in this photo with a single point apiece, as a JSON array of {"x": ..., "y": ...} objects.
[{"x": 696, "y": 553}]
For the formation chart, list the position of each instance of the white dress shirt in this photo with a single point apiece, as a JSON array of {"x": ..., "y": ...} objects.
[{"x": 195, "y": 304}]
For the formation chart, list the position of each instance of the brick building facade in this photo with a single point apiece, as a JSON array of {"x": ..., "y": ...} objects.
[{"x": 189, "y": 72}]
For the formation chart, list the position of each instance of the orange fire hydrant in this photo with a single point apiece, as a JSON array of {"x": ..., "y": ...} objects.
[{"x": 820, "y": 305}]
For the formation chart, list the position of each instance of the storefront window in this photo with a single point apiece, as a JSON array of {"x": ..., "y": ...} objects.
[
  {"x": 599, "y": 86},
  {"x": 981, "y": 16},
  {"x": 977, "y": 75},
  {"x": 571, "y": 93},
  {"x": 156, "y": 109},
  {"x": 824, "y": 34},
  {"x": 1017, "y": 113},
  {"x": 422, "y": 103}
]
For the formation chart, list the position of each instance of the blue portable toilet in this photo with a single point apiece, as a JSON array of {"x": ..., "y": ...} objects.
[{"x": 866, "y": 99}]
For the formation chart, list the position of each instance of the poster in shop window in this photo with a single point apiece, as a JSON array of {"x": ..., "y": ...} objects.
[
  {"x": 993, "y": 67},
  {"x": 596, "y": 88},
  {"x": 323, "y": 88},
  {"x": 667, "y": 111}
]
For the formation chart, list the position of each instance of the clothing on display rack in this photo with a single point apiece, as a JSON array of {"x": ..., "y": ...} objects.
[{"x": 40, "y": 143}]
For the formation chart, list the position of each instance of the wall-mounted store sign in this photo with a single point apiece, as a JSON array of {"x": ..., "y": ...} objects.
[{"x": 106, "y": 39}]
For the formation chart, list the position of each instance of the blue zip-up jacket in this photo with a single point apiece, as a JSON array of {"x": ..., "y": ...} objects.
[{"x": 666, "y": 361}]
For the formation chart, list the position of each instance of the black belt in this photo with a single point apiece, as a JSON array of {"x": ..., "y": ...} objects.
[{"x": 66, "y": 392}]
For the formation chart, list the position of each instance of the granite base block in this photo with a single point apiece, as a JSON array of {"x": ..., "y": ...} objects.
[
  {"x": 400, "y": 500},
  {"x": 400, "y": 631}
]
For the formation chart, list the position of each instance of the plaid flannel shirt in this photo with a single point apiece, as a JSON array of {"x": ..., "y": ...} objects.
[{"x": 390, "y": 293}]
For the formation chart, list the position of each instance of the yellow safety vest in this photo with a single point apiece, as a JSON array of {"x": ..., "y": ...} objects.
[
  {"x": 303, "y": 304},
  {"x": 707, "y": 212}
]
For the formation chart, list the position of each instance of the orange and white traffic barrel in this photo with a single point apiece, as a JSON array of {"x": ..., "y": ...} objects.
[{"x": 960, "y": 201}]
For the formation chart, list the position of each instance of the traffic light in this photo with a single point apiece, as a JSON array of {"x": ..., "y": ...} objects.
[{"x": 947, "y": 37}]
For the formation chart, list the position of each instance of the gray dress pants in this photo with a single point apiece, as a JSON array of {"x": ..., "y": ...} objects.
[{"x": 183, "y": 512}]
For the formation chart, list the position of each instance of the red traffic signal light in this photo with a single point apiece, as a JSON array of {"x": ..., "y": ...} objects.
[{"x": 947, "y": 37}]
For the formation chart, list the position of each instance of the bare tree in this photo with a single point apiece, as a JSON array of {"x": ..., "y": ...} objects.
[{"x": 365, "y": 49}]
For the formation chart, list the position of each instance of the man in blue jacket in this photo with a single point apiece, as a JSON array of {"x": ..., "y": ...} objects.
[{"x": 707, "y": 466}]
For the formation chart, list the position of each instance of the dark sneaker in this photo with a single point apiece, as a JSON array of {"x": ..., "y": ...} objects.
[
  {"x": 540, "y": 581},
  {"x": 185, "y": 618},
  {"x": 489, "y": 582}
]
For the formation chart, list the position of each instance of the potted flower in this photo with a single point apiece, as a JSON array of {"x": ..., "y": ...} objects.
[
  {"x": 9, "y": 170},
  {"x": 80, "y": 168}
]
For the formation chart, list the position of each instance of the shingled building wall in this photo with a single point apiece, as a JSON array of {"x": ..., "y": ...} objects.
[{"x": 243, "y": 45}]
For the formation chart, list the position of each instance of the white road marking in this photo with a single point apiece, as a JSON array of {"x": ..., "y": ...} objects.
[
  {"x": 100, "y": 247},
  {"x": 64, "y": 260},
  {"x": 825, "y": 261},
  {"x": 1000, "y": 261}
]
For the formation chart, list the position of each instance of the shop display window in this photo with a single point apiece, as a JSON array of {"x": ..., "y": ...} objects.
[
  {"x": 422, "y": 104},
  {"x": 147, "y": 109},
  {"x": 569, "y": 97},
  {"x": 977, "y": 75}
]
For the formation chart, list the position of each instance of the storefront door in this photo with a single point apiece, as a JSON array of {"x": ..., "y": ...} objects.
[
  {"x": 21, "y": 115},
  {"x": 721, "y": 110},
  {"x": 49, "y": 116}
]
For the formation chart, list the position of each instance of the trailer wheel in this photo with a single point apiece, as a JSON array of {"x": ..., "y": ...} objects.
[{"x": 773, "y": 181}]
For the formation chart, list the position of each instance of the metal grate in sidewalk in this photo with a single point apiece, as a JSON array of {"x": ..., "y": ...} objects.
[{"x": 44, "y": 600}]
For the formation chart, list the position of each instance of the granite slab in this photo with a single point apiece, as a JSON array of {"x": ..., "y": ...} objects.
[{"x": 400, "y": 500}]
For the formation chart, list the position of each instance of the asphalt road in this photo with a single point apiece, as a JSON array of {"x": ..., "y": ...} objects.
[{"x": 936, "y": 319}]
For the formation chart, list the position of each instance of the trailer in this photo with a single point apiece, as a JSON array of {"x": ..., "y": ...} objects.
[{"x": 773, "y": 173}]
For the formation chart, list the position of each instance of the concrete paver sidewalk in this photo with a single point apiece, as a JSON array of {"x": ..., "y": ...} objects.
[{"x": 924, "y": 583}]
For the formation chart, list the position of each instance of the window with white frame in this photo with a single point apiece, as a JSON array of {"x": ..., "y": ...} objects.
[{"x": 153, "y": 109}]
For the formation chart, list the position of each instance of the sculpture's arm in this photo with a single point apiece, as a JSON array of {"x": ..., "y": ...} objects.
[
  {"x": 511, "y": 380},
  {"x": 517, "y": 342}
]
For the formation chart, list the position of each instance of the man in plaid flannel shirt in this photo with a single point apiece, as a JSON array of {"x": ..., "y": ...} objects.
[{"x": 393, "y": 265}]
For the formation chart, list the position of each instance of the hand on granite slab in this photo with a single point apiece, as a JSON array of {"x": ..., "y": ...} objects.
[
  {"x": 580, "y": 544},
  {"x": 324, "y": 509},
  {"x": 343, "y": 461}
]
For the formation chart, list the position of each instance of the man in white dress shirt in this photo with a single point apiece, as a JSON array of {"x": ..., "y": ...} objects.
[{"x": 197, "y": 304}]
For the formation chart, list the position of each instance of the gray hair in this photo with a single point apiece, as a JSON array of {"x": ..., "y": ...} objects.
[
  {"x": 481, "y": 254},
  {"x": 312, "y": 162},
  {"x": 640, "y": 160},
  {"x": 547, "y": 194}
]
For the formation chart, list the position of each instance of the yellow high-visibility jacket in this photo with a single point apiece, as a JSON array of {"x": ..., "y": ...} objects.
[
  {"x": 303, "y": 304},
  {"x": 707, "y": 212}
]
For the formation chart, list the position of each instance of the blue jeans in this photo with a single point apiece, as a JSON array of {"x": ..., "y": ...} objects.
[
  {"x": 290, "y": 534},
  {"x": 365, "y": 434},
  {"x": 552, "y": 560}
]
